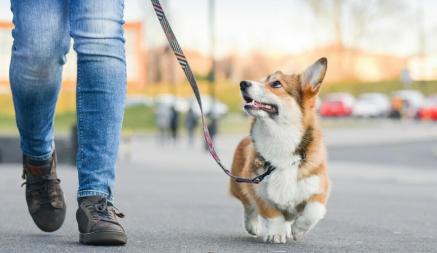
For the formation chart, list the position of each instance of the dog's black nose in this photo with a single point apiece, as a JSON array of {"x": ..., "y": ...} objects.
[{"x": 244, "y": 85}]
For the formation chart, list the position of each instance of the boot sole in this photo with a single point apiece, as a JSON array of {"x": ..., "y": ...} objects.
[{"x": 103, "y": 238}]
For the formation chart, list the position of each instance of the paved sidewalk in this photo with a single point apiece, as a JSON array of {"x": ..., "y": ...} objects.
[{"x": 176, "y": 200}]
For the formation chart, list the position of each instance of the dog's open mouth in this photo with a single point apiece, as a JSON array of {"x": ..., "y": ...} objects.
[{"x": 256, "y": 105}]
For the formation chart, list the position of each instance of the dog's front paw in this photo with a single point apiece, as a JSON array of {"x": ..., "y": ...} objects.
[
  {"x": 252, "y": 226},
  {"x": 298, "y": 233},
  {"x": 288, "y": 227},
  {"x": 276, "y": 230},
  {"x": 277, "y": 238},
  {"x": 313, "y": 212}
]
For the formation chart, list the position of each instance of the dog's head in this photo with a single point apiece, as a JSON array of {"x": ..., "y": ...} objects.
[{"x": 284, "y": 97}]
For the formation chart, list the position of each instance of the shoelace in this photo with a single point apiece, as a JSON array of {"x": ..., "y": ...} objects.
[
  {"x": 43, "y": 186},
  {"x": 105, "y": 211}
]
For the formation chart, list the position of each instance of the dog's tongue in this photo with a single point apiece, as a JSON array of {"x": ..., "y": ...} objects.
[
  {"x": 262, "y": 106},
  {"x": 258, "y": 105},
  {"x": 253, "y": 103}
]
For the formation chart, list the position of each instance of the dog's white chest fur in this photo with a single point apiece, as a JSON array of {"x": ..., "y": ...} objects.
[
  {"x": 283, "y": 189},
  {"x": 277, "y": 145}
]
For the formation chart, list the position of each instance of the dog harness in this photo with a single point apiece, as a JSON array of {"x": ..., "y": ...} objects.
[{"x": 261, "y": 162}]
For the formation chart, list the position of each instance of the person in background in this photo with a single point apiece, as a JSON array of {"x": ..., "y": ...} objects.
[
  {"x": 163, "y": 118},
  {"x": 396, "y": 108},
  {"x": 191, "y": 122},
  {"x": 174, "y": 122}
]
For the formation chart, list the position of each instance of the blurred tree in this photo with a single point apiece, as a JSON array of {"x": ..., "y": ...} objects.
[
  {"x": 332, "y": 10},
  {"x": 255, "y": 65},
  {"x": 358, "y": 17},
  {"x": 358, "y": 22},
  {"x": 228, "y": 66}
]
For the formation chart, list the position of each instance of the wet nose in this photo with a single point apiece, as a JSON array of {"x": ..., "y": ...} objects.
[{"x": 244, "y": 85}]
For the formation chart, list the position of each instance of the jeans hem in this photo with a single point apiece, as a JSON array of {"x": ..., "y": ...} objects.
[{"x": 40, "y": 157}]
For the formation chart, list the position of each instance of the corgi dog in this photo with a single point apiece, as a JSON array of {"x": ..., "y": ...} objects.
[{"x": 285, "y": 135}]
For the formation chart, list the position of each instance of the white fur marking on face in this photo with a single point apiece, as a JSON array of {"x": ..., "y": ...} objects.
[
  {"x": 277, "y": 139},
  {"x": 258, "y": 92},
  {"x": 276, "y": 230}
]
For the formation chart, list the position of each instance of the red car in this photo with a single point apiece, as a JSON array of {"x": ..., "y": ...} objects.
[
  {"x": 337, "y": 105},
  {"x": 429, "y": 110}
]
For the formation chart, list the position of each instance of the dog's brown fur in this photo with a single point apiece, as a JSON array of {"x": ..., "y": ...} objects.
[{"x": 246, "y": 162}]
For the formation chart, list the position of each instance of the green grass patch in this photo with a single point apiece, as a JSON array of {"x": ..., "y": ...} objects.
[
  {"x": 7, "y": 124},
  {"x": 139, "y": 118},
  {"x": 136, "y": 119}
]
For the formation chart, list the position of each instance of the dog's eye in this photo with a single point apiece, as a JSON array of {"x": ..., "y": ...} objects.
[{"x": 276, "y": 84}]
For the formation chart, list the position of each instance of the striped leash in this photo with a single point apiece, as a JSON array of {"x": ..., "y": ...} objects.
[{"x": 177, "y": 50}]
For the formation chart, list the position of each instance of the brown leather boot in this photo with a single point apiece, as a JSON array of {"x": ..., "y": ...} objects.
[
  {"x": 44, "y": 196},
  {"x": 98, "y": 223}
]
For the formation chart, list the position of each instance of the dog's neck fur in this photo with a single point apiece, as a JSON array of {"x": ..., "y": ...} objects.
[{"x": 279, "y": 143}]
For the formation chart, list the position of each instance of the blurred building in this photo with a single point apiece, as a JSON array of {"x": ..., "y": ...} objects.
[
  {"x": 352, "y": 64},
  {"x": 423, "y": 68},
  {"x": 344, "y": 64},
  {"x": 164, "y": 68},
  {"x": 158, "y": 65},
  {"x": 5, "y": 54}
]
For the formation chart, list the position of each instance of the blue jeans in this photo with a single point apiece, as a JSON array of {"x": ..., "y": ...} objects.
[{"x": 42, "y": 33}]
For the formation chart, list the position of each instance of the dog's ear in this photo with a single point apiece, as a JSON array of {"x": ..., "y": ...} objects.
[{"x": 312, "y": 77}]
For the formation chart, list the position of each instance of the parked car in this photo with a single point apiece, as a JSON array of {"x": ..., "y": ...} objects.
[
  {"x": 429, "y": 110},
  {"x": 337, "y": 105},
  {"x": 411, "y": 101},
  {"x": 371, "y": 105}
]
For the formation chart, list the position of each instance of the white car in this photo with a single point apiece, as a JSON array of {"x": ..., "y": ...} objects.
[{"x": 371, "y": 105}]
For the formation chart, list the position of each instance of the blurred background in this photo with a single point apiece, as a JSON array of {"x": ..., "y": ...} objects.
[
  {"x": 382, "y": 59},
  {"x": 382, "y": 67},
  {"x": 378, "y": 106}
]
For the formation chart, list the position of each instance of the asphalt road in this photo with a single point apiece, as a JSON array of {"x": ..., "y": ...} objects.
[
  {"x": 176, "y": 200},
  {"x": 415, "y": 154}
]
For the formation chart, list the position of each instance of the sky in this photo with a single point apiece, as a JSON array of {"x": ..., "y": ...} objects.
[{"x": 275, "y": 27}]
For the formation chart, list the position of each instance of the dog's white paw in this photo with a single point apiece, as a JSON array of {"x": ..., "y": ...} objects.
[
  {"x": 288, "y": 229},
  {"x": 253, "y": 226},
  {"x": 298, "y": 233},
  {"x": 278, "y": 238},
  {"x": 276, "y": 230},
  {"x": 313, "y": 213}
]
